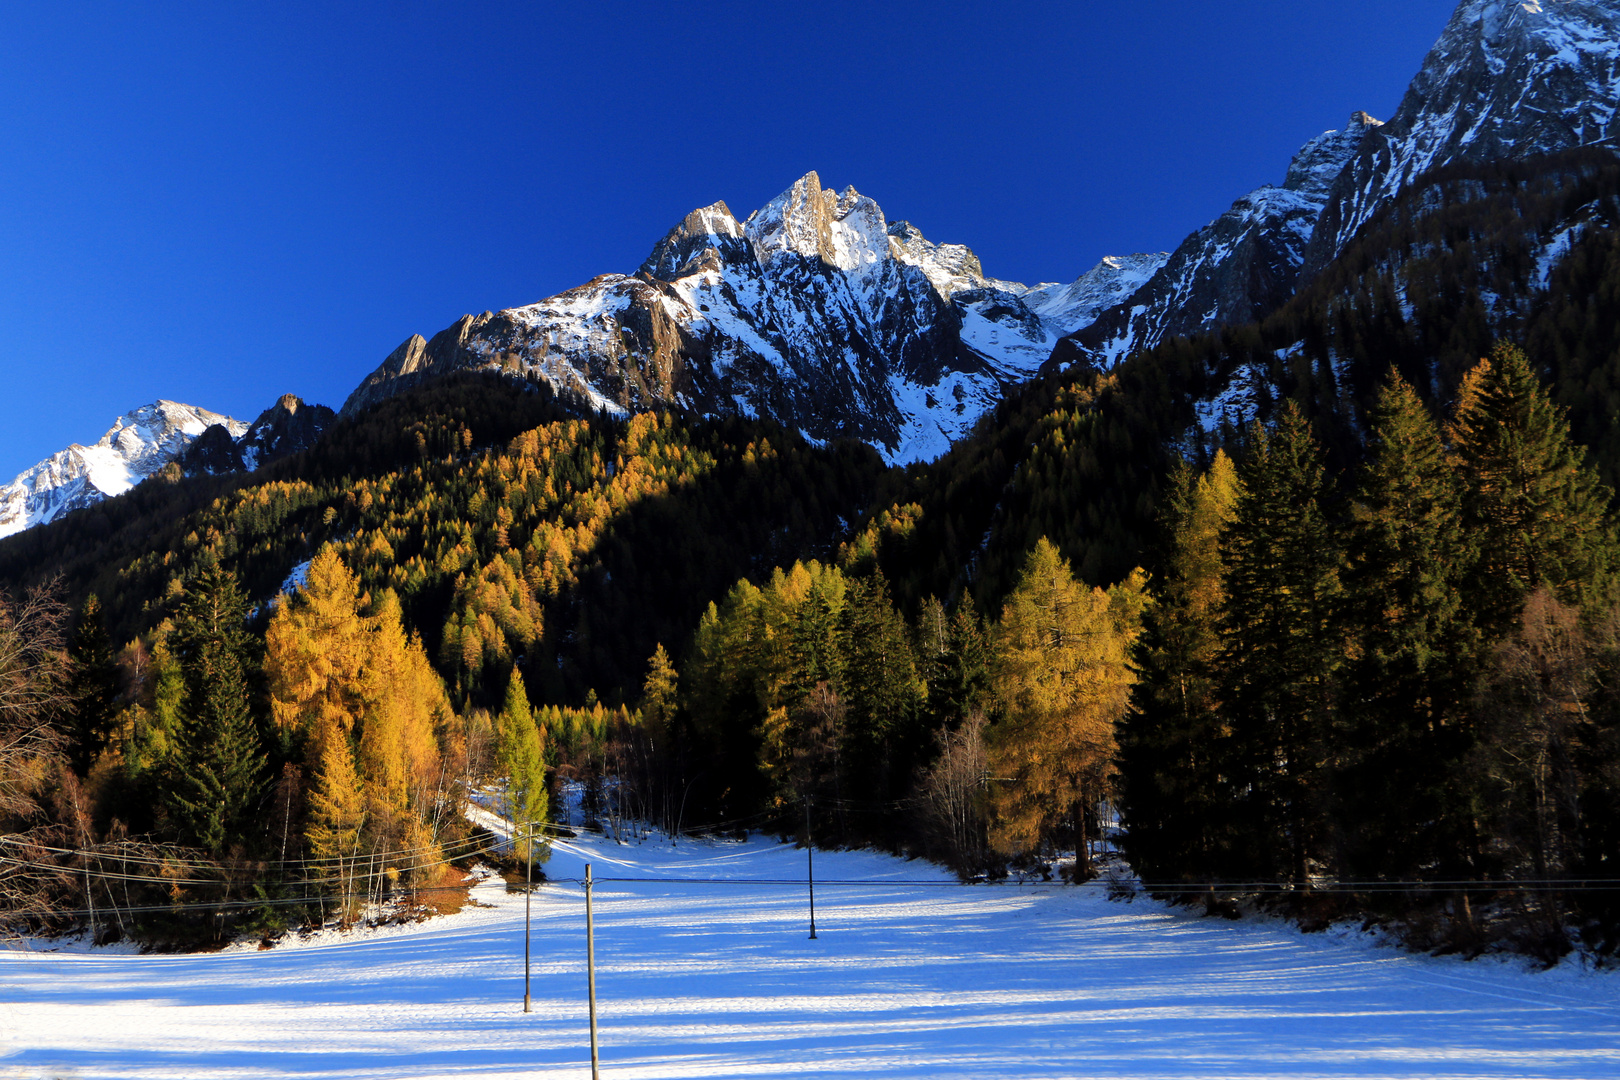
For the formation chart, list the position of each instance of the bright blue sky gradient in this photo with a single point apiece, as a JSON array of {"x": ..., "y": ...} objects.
[{"x": 220, "y": 203}]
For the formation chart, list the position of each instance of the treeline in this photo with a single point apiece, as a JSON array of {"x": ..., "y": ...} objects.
[
  {"x": 809, "y": 702},
  {"x": 1389, "y": 691},
  {"x": 203, "y": 783}
]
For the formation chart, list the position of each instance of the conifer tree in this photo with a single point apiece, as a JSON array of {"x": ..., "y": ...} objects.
[
  {"x": 1171, "y": 742},
  {"x": 93, "y": 687},
  {"x": 337, "y": 814},
  {"x": 403, "y": 699},
  {"x": 931, "y": 645},
  {"x": 1283, "y": 649},
  {"x": 157, "y": 728},
  {"x": 1062, "y": 679},
  {"x": 966, "y": 676},
  {"x": 818, "y": 653},
  {"x": 315, "y": 653},
  {"x": 523, "y": 762},
  {"x": 660, "y": 703},
  {"x": 217, "y": 771},
  {"x": 1533, "y": 505},
  {"x": 1405, "y": 728},
  {"x": 880, "y": 689},
  {"x": 658, "y": 692}
]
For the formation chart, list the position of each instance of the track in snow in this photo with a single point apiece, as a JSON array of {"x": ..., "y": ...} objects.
[{"x": 722, "y": 981}]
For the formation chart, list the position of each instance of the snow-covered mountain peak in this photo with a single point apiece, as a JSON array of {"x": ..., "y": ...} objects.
[
  {"x": 1507, "y": 79},
  {"x": 1320, "y": 161},
  {"x": 795, "y": 221},
  {"x": 709, "y": 227},
  {"x": 860, "y": 235},
  {"x": 844, "y": 231},
  {"x": 814, "y": 311},
  {"x": 150, "y": 437},
  {"x": 139, "y": 444},
  {"x": 1109, "y": 283},
  {"x": 950, "y": 268}
]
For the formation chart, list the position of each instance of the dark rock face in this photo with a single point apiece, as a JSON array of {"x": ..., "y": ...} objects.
[
  {"x": 213, "y": 452},
  {"x": 815, "y": 312},
  {"x": 1236, "y": 269},
  {"x": 285, "y": 428},
  {"x": 1507, "y": 79}
]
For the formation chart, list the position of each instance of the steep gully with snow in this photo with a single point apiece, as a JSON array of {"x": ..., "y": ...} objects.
[{"x": 818, "y": 312}]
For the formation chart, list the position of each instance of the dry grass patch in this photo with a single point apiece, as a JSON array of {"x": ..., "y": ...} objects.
[{"x": 442, "y": 891}]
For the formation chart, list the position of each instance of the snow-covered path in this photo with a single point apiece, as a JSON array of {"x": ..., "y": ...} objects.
[{"x": 722, "y": 981}]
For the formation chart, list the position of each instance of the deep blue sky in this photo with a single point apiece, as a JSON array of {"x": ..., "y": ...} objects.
[{"x": 221, "y": 203}]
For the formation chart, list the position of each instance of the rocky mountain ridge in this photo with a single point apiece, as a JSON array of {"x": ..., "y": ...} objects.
[
  {"x": 145, "y": 441},
  {"x": 1236, "y": 269},
  {"x": 1507, "y": 78},
  {"x": 139, "y": 444},
  {"x": 815, "y": 311}
]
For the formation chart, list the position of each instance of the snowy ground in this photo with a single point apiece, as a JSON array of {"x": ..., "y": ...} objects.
[{"x": 721, "y": 980}]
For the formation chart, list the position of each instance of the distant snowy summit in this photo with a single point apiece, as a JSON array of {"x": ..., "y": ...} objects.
[
  {"x": 815, "y": 311},
  {"x": 139, "y": 444},
  {"x": 142, "y": 443}
]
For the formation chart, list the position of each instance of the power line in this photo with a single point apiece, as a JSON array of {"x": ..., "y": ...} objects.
[{"x": 469, "y": 845}]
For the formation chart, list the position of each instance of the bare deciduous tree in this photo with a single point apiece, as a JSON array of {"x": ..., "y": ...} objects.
[
  {"x": 953, "y": 795},
  {"x": 33, "y": 690}
]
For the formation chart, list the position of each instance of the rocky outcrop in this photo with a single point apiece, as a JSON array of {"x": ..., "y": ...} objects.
[
  {"x": 1507, "y": 79},
  {"x": 1236, "y": 269},
  {"x": 285, "y": 428},
  {"x": 815, "y": 311}
]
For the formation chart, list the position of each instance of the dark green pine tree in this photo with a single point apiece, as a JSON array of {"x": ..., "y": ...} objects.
[
  {"x": 817, "y": 648},
  {"x": 1172, "y": 796},
  {"x": 1283, "y": 650},
  {"x": 931, "y": 645},
  {"x": 1536, "y": 510},
  {"x": 881, "y": 689},
  {"x": 965, "y": 679},
  {"x": 1401, "y": 805},
  {"x": 93, "y": 688},
  {"x": 217, "y": 772}
]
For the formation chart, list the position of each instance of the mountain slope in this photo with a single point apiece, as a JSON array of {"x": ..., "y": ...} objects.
[
  {"x": 1238, "y": 268},
  {"x": 138, "y": 444},
  {"x": 1507, "y": 79},
  {"x": 815, "y": 312}
]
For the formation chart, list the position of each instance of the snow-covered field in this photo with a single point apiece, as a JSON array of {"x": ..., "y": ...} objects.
[{"x": 721, "y": 980}]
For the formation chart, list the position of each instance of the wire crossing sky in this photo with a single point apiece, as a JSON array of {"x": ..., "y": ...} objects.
[{"x": 219, "y": 204}]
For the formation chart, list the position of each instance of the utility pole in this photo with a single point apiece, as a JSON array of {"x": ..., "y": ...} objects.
[
  {"x": 528, "y": 901},
  {"x": 810, "y": 865},
  {"x": 590, "y": 964}
]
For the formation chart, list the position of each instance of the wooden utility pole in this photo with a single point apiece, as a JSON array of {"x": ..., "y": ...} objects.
[
  {"x": 810, "y": 865},
  {"x": 528, "y": 901},
  {"x": 590, "y": 965}
]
